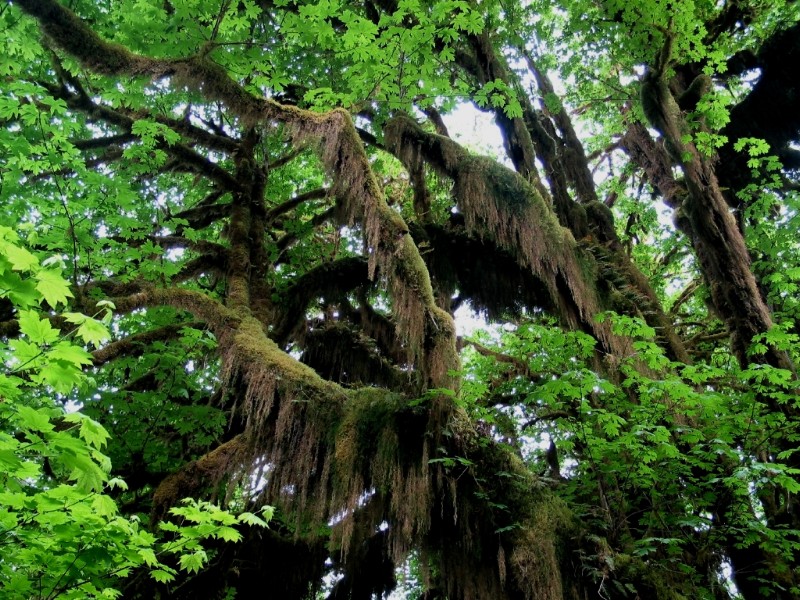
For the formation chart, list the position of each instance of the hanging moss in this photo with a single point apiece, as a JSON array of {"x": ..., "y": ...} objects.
[
  {"x": 377, "y": 327},
  {"x": 490, "y": 278},
  {"x": 332, "y": 280},
  {"x": 539, "y": 550},
  {"x": 391, "y": 249},
  {"x": 328, "y": 447},
  {"x": 368, "y": 454},
  {"x": 500, "y": 205}
]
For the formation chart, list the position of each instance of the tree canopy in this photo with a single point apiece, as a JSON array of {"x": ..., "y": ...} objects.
[{"x": 234, "y": 239}]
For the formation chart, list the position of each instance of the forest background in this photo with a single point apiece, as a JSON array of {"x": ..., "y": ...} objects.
[{"x": 234, "y": 236}]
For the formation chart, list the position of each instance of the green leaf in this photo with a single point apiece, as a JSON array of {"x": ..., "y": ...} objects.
[
  {"x": 67, "y": 352},
  {"x": 94, "y": 433},
  {"x": 62, "y": 377},
  {"x": 25, "y": 354},
  {"x": 228, "y": 534},
  {"x": 149, "y": 558},
  {"x": 20, "y": 259},
  {"x": 117, "y": 483},
  {"x": 53, "y": 287},
  {"x": 94, "y": 332},
  {"x": 251, "y": 519},
  {"x": 34, "y": 420},
  {"x": 193, "y": 562},
  {"x": 21, "y": 292},
  {"x": 162, "y": 576},
  {"x": 38, "y": 330},
  {"x": 104, "y": 505}
]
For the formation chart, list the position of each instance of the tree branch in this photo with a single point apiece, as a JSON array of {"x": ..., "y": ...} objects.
[{"x": 136, "y": 344}]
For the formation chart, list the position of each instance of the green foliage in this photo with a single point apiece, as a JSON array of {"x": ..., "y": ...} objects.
[
  {"x": 61, "y": 531},
  {"x": 650, "y": 434},
  {"x": 499, "y": 94}
]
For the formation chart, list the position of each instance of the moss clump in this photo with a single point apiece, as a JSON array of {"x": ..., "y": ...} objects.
[{"x": 538, "y": 551}]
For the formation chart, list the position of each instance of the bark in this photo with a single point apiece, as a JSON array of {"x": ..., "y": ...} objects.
[
  {"x": 705, "y": 216},
  {"x": 484, "y": 64},
  {"x": 573, "y": 161}
]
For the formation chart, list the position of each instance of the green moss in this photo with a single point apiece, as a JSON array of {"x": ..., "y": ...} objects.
[{"x": 367, "y": 413}]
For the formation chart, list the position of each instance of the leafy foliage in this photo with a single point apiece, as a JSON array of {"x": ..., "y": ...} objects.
[
  {"x": 60, "y": 524},
  {"x": 235, "y": 235}
]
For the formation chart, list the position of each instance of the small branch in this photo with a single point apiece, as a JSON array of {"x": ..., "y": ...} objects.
[
  {"x": 548, "y": 416},
  {"x": 286, "y": 159},
  {"x": 520, "y": 366},
  {"x": 684, "y": 296},
  {"x": 370, "y": 139},
  {"x": 203, "y": 215},
  {"x": 103, "y": 142},
  {"x": 176, "y": 241},
  {"x": 436, "y": 119},
  {"x": 200, "y": 266},
  {"x": 285, "y": 207},
  {"x": 190, "y": 159},
  {"x": 283, "y": 243},
  {"x": 197, "y": 163},
  {"x": 135, "y": 345}
]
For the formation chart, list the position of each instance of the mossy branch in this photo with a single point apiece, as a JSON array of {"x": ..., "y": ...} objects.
[
  {"x": 214, "y": 313},
  {"x": 501, "y": 205}
]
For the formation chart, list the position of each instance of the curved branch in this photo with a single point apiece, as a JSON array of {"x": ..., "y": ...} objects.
[
  {"x": 328, "y": 279},
  {"x": 189, "y": 159},
  {"x": 177, "y": 241},
  {"x": 203, "y": 215},
  {"x": 103, "y": 142},
  {"x": 219, "y": 318},
  {"x": 290, "y": 238},
  {"x": 292, "y": 203},
  {"x": 199, "y": 266},
  {"x": 520, "y": 366},
  {"x": 285, "y": 159}
]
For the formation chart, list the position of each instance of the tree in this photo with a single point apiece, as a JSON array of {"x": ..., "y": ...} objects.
[{"x": 264, "y": 203}]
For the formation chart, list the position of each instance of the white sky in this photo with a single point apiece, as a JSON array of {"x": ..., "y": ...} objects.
[{"x": 476, "y": 130}]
